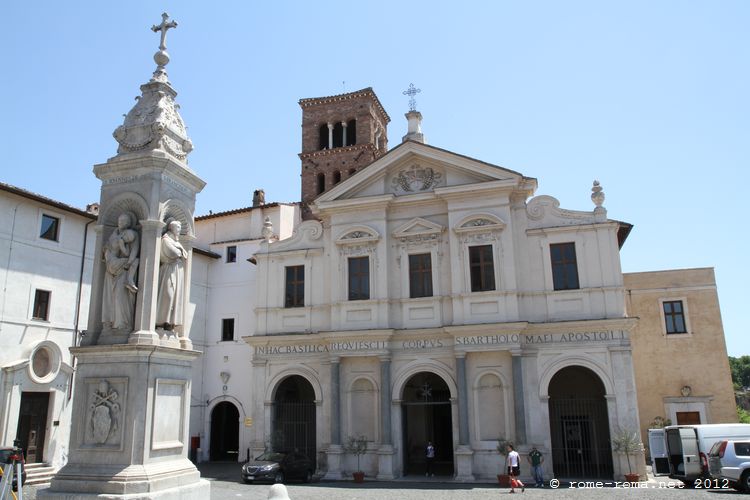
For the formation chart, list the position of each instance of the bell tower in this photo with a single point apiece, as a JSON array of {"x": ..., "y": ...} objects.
[{"x": 341, "y": 135}]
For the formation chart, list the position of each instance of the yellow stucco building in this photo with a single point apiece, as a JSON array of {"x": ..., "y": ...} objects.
[{"x": 679, "y": 352}]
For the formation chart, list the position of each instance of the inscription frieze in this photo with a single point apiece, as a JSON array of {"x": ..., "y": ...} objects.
[{"x": 462, "y": 341}]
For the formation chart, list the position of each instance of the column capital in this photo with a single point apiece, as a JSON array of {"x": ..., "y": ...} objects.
[
  {"x": 151, "y": 224},
  {"x": 384, "y": 358}
]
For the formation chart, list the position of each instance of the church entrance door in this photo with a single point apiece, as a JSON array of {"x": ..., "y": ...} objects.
[
  {"x": 293, "y": 422},
  {"x": 579, "y": 425},
  {"x": 426, "y": 416},
  {"x": 225, "y": 432}
]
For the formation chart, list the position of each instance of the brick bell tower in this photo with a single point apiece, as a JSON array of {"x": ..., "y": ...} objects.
[{"x": 341, "y": 135}]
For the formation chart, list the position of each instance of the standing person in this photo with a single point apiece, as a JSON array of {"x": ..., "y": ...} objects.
[
  {"x": 514, "y": 469},
  {"x": 429, "y": 458},
  {"x": 536, "y": 459}
]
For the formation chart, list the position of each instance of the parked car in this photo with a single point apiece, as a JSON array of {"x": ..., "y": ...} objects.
[
  {"x": 730, "y": 460},
  {"x": 688, "y": 447},
  {"x": 9, "y": 456},
  {"x": 278, "y": 467}
]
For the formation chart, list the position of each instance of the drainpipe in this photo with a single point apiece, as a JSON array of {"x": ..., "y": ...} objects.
[{"x": 78, "y": 303}]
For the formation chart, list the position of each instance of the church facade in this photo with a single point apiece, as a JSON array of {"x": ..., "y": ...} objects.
[{"x": 432, "y": 297}]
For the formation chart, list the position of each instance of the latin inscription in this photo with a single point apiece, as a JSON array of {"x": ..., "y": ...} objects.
[{"x": 422, "y": 344}]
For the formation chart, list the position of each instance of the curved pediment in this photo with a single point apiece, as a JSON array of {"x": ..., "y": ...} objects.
[
  {"x": 480, "y": 222},
  {"x": 357, "y": 235}
]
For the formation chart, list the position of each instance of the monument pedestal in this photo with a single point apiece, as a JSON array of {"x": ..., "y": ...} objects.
[{"x": 130, "y": 415}]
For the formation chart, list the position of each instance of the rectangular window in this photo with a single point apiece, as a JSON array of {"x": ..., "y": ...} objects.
[
  {"x": 232, "y": 253},
  {"x": 50, "y": 227},
  {"x": 482, "y": 268},
  {"x": 420, "y": 275},
  {"x": 295, "y": 286},
  {"x": 564, "y": 266},
  {"x": 41, "y": 305},
  {"x": 359, "y": 278},
  {"x": 674, "y": 316},
  {"x": 227, "y": 329}
]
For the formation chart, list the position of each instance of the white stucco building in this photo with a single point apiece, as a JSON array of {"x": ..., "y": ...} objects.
[{"x": 46, "y": 251}]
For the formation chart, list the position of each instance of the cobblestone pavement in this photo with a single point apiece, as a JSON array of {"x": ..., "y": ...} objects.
[{"x": 226, "y": 485}]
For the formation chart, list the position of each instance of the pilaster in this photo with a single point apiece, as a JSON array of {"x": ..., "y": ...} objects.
[{"x": 145, "y": 306}]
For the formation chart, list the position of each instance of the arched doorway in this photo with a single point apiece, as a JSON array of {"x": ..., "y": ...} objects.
[
  {"x": 579, "y": 425},
  {"x": 426, "y": 416},
  {"x": 225, "y": 432},
  {"x": 293, "y": 426}
]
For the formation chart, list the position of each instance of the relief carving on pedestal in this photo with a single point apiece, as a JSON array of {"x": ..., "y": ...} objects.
[{"x": 104, "y": 412}]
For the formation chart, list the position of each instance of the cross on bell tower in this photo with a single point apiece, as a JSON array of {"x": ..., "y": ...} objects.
[{"x": 411, "y": 92}]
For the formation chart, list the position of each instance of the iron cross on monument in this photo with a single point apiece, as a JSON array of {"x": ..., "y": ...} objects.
[{"x": 411, "y": 92}]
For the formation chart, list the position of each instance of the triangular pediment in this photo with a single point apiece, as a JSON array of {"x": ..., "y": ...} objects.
[
  {"x": 416, "y": 169},
  {"x": 418, "y": 227}
]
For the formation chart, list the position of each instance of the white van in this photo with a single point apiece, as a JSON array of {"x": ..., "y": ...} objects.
[{"x": 688, "y": 447}]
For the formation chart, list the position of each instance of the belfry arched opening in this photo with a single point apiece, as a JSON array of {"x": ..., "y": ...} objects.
[
  {"x": 293, "y": 421},
  {"x": 579, "y": 425},
  {"x": 426, "y": 417}
]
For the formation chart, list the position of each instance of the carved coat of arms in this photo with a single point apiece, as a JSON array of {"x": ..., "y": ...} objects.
[
  {"x": 416, "y": 178},
  {"x": 104, "y": 412}
]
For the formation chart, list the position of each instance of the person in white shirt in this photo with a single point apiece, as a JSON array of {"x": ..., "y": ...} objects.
[{"x": 514, "y": 469}]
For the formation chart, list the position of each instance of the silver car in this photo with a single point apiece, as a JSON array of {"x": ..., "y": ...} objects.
[{"x": 730, "y": 460}]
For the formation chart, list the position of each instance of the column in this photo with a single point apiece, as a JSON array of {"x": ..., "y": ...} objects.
[
  {"x": 519, "y": 406},
  {"x": 94, "y": 325},
  {"x": 386, "y": 453},
  {"x": 184, "y": 331},
  {"x": 463, "y": 401},
  {"x": 385, "y": 401},
  {"x": 145, "y": 302},
  {"x": 335, "y": 451},
  {"x": 330, "y": 135},
  {"x": 335, "y": 401},
  {"x": 464, "y": 453},
  {"x": 343, "y": 134}
]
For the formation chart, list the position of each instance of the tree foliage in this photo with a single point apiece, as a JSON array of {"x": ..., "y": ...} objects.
[
  {"x": 740, "y": 368},
  {"x": 743, "y": 415}
]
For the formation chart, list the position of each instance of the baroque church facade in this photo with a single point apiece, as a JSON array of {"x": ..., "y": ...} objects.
[
  {"x": 431, "y": 297},
  {"x": 415, "y": 294}
]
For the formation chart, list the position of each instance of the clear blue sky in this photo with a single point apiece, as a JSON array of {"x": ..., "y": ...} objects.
[{"x": 649, "y": 97}]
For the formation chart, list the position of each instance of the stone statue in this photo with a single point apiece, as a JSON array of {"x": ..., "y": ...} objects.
[
  {"x": 121, "y": 263},
  {"x": 171, "y": 278}
]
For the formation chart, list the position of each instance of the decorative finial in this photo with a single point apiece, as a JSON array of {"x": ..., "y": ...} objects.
[
  {"x": 411, "y": 92},
  {"x": 161, "y": 58},
  {"x": 597, "y": 194}
]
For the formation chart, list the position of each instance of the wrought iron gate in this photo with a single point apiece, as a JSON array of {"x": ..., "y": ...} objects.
[
  {"x": 294, "y": 428},
  {"x": 580, "y": 438}
]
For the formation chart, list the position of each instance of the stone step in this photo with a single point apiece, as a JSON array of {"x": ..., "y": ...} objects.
[{"x": 39, "y": 474}]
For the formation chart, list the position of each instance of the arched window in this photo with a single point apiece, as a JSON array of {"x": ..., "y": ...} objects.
[
  {"x": 351, "y": 133},
  {"x": 336, "y": 177},
  {"x": 321, "y": 179},
  {"x": 323, "y": 136},
  {"x": 338, "y": 135}
]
